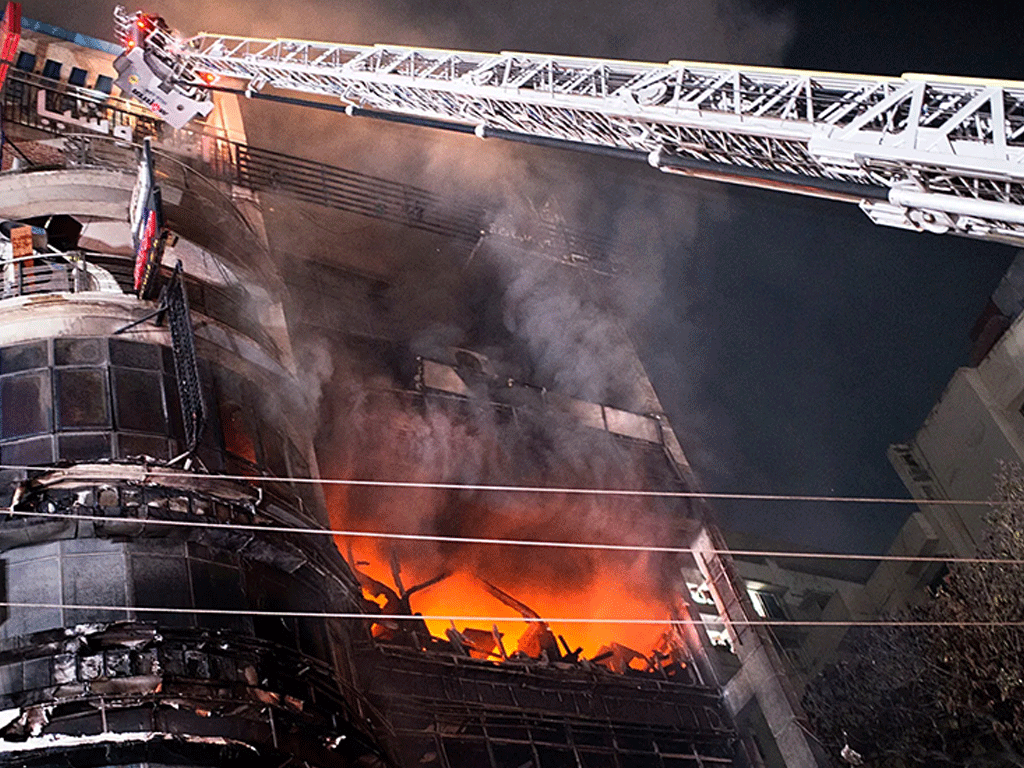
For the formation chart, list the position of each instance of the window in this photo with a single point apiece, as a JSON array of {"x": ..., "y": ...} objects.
[
  {"x": 139, "y": 400},
  {"x": 23, "y": 357},
  {"x": 84, "y": 446},
  {"x": 104, "y": 84},
  {"x": 238, "y": 438},
  {"x": 82, "y": 398},
  {"x": 26, "y": 404},
  {"x": 35, "y": 450},
  {"x": 701, "y": 594},
  {"x": 131, "y": 354},
  {"x": 51, "y": 69},
  {"x": 77, "y": 77},
  {"x": 767, "y": 605},
  {"x": 26, "y": 62},
  {"x": 79, "y": 352}
]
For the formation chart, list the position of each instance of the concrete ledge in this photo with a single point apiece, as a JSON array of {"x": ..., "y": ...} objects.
[{"x": 78, "y": 192}]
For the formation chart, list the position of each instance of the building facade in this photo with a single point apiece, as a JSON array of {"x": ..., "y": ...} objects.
[{"x": 170, "y": 596}]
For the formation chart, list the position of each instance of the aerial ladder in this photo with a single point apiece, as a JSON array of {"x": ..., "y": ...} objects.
[{"x": 921, "y": 152}]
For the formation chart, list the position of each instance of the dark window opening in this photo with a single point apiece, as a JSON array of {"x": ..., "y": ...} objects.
[
  {"x": 274, "y": 453},
  {"x": 104, "y": 84},
  {"x": 218, "y": 586},
  {"x": 26, "y": 62},
  {"x": 773, "y": 608},
  {"x": 77, "y": 77},
  {"x": 51, "y": 69},
  {"x": 61, "y": 230}
]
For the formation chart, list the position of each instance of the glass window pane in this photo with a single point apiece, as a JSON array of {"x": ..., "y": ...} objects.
[
  {"x": 131, "y": 354},
  {"x": 82, "y": 399},
  {"x": 25, "y": 399},
  {"x": 37, "y": 450},
  {"x": 79, "y": 351},
  {"x": 142, "y": 445},
  {"x": 84, "y": 447},
  {"x": 139, "y": 400},
  {"x": 26, "y": 62},
  {"x": 174, "y": 409},
  {"x": 97, "y": 578},
  {"x": 51, "y": 69},
  {"x": 23, "y": 357},
  {"x": 161, "y": 582}
]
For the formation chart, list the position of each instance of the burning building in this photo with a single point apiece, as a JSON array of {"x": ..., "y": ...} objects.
[{"x": 180, "y": 589}]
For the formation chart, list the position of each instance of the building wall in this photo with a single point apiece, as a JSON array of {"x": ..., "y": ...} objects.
[{"x": 132, "y": 632}]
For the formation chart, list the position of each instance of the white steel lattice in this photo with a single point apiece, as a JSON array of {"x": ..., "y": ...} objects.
[{"x": 945, "y": 154}]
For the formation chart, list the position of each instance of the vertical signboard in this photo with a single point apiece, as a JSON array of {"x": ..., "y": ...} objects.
[
  {"x": 146, "y": 218},
  {"x": 10, "y": 35}
]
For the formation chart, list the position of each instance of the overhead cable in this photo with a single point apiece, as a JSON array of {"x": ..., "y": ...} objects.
[
  {"x": 482, "y": 540},
  {"x": 157, "y": 472},
  {"x": 378, "y": 617}
]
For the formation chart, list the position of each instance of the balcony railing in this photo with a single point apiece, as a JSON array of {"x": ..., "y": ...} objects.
[{"x": 54, "y": 273}]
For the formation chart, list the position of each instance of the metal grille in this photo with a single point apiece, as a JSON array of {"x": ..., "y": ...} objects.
[{"x": 186, "y": 368}]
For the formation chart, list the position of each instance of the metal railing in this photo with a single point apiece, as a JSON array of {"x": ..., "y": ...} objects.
[
  {"x": 62, "y": 110},
  {"x": 48, "y": 273}
]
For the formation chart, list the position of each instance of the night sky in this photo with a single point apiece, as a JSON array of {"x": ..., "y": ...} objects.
[{"x": 790, "y": 340}]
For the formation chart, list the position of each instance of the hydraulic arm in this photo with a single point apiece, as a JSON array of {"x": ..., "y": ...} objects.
[{"x": 920, "y": 152}]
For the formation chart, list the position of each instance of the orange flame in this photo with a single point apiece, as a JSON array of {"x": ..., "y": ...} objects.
[{"x": 607, "y": 593}]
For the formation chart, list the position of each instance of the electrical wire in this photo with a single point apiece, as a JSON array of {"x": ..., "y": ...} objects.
[
  {"x": 536, "y": 489},
  {"x": 469, "y": 540},
  {"x": 479, "y": 540},
  {"x": 378, "y": 617},
  {"x": 647, "y": 548}
]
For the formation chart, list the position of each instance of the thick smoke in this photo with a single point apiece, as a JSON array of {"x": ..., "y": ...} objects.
[
  {"x": 567, "y": 330},
  {"x": 564, "y": 329},
  {"x": 383, "y": 435}
]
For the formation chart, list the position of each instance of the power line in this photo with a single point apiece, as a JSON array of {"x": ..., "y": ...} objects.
[
  {"x": 378, "y": 617},
  {"x": 475, "y": 540},
  {"x": 538, "y": 489}
]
